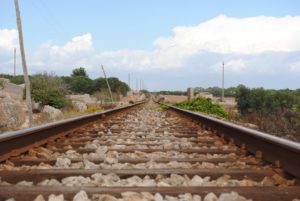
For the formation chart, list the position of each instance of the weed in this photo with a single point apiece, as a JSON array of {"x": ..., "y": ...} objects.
[{"x": 94, "y": 109}]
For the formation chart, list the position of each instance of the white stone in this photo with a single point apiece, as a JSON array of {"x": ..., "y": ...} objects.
[
  {"x": 79, "y": 106},
  {"x": 233, "y": 196},
  {"x": 162, "y": 184},
  {"x": 11, "y": 199},
  {"x": 91, "y": 146},
  {"x": 196, "y": 198},
  {"x": 90, "y": 165},
  {"x": 53, "y": 197},
  {"x": 63, "y": 162},
  {"x": 107, "y": 198},
  {"x": 111, "y": 160},
  {"x": 40, "y": 198},
  {"x": 81, "y": 196},
  {"x": 51, "y": 111},
  {"x": 147, "y": 195},
  {"x": 196, "y": 181},
  {"x": 133, "y": 181},
  {"x": 25, "y": 183},
  {"x": 115, "y": 126},
  {"x": 171, "y": 198},
  {"x": 158, "y": 197},
  {"x": 49, "y": 182},
  {"x": 101, "y": 150},
  {"x": 210, "y": 197},
  {"x": 77, "y": 181},
  {"x": 186, "y": 197}
]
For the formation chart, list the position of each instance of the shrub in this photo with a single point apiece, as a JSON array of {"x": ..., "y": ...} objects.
[
  {"x": 204, "y": 105},
  {"x": 49, "y": 90}
]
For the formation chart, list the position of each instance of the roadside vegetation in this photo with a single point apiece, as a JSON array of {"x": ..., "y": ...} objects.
[
  {"x": 205, "y": 105},
  {"x": 50, "y": 89},
  {"x": 177, "y": 93},
  {"x": 273, "y": 111}
]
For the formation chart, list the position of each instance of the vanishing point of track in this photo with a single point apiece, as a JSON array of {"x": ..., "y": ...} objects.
[{"x": 142, "y": 152}]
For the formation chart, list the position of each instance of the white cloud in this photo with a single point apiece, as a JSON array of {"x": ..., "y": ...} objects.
[
  {"x": 8, "y": 39},
  {"x": 295, "y": 67},
  {"x": 231, "y": 66},
  {"x": 232, "y": 35},
  {"x": 237, "y": 65},
  {"x": 222, "y": 35},
  {"x": 256, "y": 45}
]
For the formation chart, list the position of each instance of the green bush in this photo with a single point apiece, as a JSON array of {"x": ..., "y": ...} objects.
[
  {"x": 49, "y": 90},
  {"x": 204, "y": 105},
  {"x": 17, "y": 79}
]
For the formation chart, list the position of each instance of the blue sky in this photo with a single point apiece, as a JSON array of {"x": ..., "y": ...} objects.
[{"x": 126, "y": 37}]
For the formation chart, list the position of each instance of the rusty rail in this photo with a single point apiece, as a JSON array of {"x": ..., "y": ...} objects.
[
  {"x": 274, "y": 149},
  {"x": 16, "y": 142}
]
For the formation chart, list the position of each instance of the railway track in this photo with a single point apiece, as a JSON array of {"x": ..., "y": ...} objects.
[{"x": 145, "y": 153}]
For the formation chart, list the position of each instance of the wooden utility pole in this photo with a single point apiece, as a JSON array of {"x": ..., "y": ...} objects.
[
  {"x": 14, "y": 61},
  {"x": 108, "y": 86},
  {"x": 22, "y": 50},
  {"x": 129, "y": 81},
  {"x": 222, "y": 98}
]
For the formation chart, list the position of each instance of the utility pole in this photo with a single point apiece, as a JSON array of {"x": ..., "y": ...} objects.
[
  {"x": 222, "y": 98},
  {"x": 111, "y": 97},
  {"x": 136, "y": 85},
  {"x": 14, "y": 61},
  {"x": 129, "y": 81},
  {"x": 22, "y": 50}
]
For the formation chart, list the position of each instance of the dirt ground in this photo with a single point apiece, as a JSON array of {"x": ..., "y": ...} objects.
[{"x": 174, "y": 98}]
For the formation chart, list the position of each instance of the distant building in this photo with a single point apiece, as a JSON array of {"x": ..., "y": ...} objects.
[{"x": 205, "y": 95}]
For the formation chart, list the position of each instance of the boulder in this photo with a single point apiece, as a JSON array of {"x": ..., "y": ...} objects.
[
  {"x": 12, "y": 112},
  {"x": 79, "y": 101},
  {"x": 141, "y": 97},
  {"x": 79, "y": 106},
  {"x": 15, "y": 91},
  {"x": 37, "y": 107},
  {"x": 51, "y": 111}
]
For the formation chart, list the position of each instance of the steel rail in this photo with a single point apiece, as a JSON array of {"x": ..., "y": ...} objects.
[
  {"x": 273, "y": 148},
  {"x": 16, "y": 142}
]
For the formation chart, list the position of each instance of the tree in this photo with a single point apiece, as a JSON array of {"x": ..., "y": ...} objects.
[
  {"x": 81, "y": 84},
  {"x": 115, "y": 85},
  {"x": 79, "y": 72},
  {"x": 257, "y": 99},
  {"x": 243, "y": 99}
]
